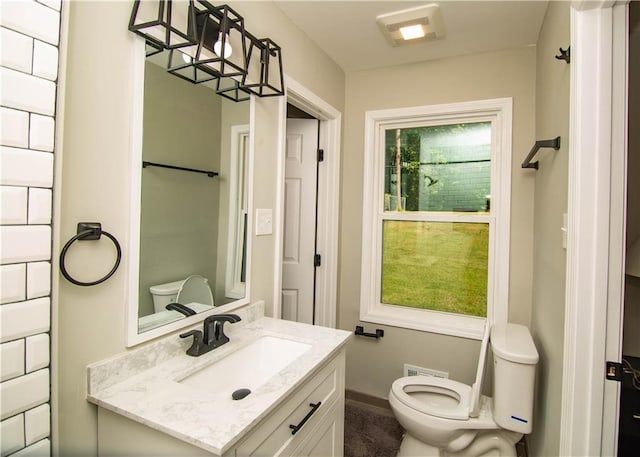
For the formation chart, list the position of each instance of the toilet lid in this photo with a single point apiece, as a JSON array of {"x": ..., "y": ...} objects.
[
  {"x": 439, "y": 397},
  {"x": 195, "y": 289}
]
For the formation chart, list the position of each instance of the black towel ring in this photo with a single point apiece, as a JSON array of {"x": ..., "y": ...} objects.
[{"x": 89, "y": 231}]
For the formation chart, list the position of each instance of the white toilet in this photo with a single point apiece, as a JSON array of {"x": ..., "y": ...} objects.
[
  {"x": 443, "y": 417},
  {"x": 193, "y": 292}
]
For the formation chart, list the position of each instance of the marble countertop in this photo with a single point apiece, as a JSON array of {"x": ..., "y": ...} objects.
[{"x": 143, "y": 384}]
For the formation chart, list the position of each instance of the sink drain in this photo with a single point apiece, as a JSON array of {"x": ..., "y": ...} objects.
[{"x": 240, "y": 394}]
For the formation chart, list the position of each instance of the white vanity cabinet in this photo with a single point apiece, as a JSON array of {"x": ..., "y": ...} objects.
[
  {"x": 316, "y": 406},
  {"x": 318, "y": 401}
]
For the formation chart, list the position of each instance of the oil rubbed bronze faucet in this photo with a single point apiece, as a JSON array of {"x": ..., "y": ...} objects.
[{"x": 213, "y": 336}]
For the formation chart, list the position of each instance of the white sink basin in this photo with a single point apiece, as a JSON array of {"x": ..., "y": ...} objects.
[{"x": 248, "y": 367}]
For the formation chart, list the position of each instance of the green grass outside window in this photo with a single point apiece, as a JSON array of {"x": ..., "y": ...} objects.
[{"x": 440, "y": 266}]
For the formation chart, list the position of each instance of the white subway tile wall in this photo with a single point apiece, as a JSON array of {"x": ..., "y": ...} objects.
[
  {"x": 45, "y": 60},
  {"x": 12, "y": 360},
  {"x": 25, "y": 243},
  {"x": 13, "y": 279},
  {"x": 38, "y": 279},
  {"x": 14, "y": 205},
  {"x": 15, "y": 127},
  {"x": 29, "y": 60},
  {"x": 37, "y": 423},
  {"x": 37, "y": 352},
  {"x": 23, "y": 167},
  {"x": 41, "y": 133},
  {"x": 12, "y": 435},
  {"x": 38, "y": 449},
  {"x": 16, "y": 50},
  {"x": 24, "y": 393},
  {"x": 39, "y": 206},
  {"x": 27, "y": 92}
]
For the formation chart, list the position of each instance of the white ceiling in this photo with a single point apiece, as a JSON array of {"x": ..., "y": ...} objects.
[{"x": 347, "y": 30}]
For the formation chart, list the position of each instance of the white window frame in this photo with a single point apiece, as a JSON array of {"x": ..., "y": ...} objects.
[
  {"x": 499, "y": 113},
  {"x": 238, "y": 200}
]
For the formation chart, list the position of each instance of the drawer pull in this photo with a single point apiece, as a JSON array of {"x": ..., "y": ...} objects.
[
  {"x": 296, "y": 428},
  {"x": 636, "y": 416}
]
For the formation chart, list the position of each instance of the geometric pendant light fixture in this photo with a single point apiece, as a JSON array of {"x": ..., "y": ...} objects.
[
  {"x": 208, "y": 43},
  {"x": 162, "y": 25},
  {"x": 264, "y": 68},
  {"x": 221, "y": 46}
]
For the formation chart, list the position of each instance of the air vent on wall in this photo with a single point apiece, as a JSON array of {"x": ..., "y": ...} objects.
[{"x": 412, "y": 370}]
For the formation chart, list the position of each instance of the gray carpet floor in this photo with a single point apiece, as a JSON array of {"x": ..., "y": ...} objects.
[{"x": 370, "y": 431}]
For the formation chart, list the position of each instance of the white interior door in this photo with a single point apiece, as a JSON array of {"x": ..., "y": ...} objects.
[{"x": 298, "y": 268}]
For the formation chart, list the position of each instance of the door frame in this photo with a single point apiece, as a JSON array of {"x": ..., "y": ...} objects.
[
  {"x": 328, "y": 200},
  {"x": 596, "y": 239}
]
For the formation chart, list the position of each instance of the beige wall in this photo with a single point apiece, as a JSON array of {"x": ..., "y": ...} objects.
[
  {"x": 94, "y": 186},
  {"x": 373, "y": 365},
  {"x": 302, "y": 59},
  {"x": 547, "y": 323}
]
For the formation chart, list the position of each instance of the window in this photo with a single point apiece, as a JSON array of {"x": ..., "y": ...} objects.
[{"x": 436, "y": 217}]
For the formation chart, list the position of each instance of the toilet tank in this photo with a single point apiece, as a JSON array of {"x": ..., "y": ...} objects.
[
  {"x": 514, "y": 371},
  {"x": 163, "y": 294}
]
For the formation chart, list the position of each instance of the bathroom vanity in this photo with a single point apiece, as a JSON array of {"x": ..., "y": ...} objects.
[{"x": 157, "y": 400}]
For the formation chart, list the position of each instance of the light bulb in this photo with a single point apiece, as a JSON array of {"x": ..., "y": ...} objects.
[
  {"x": 185, "y": 58},
  {"x": 227, "y": 47}
]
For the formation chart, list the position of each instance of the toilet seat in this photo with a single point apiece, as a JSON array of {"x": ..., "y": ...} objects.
[
  {"x": 195, "y": 289},
  {"x": 445, "y": 398}
]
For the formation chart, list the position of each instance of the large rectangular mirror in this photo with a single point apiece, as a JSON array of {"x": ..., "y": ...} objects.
[{"x": 194, "y": 202}]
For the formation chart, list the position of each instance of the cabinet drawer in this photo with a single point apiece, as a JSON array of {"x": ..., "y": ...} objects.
[
  {"x": 274, "y": 437},
  {"x": 327, "y": 439}
]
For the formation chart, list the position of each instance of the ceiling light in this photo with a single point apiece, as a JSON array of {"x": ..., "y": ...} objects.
[
  {"x": 411, "y": 32},
  {"x": 423, "y": 23}
]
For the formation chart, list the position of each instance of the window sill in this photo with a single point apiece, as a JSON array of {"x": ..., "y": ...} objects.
[{"x": 427, "y": 321}]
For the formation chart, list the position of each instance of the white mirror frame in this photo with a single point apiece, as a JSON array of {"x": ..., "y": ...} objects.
[{"x": 133, "y": 254}]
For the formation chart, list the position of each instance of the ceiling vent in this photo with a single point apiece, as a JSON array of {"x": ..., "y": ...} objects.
[{"x": 423, "y": 23}]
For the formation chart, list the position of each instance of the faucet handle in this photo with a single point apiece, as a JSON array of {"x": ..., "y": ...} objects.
[{"x": 196, "y": 347}]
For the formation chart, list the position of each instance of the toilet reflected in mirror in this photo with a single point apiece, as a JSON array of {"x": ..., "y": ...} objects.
[{"x": 178, "y": 299}]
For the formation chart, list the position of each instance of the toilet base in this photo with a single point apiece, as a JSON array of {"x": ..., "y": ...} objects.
[
  {"x": 412, "y": 447},
  {"x": 491, "y": 443}
]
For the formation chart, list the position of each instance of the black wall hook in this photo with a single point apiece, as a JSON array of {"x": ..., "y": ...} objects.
[{"x": 565, "y": 54}]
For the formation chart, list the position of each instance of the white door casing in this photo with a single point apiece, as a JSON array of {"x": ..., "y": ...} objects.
[
  {"x": 299, "y": 220},
  {"x": 328, "y": 201},
  {"x": 595, "y": 250}
]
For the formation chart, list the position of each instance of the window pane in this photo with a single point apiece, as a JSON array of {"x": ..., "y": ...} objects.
[
  {"x": 441, "y": 266},
  {"x": 441, "y": 168}
]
